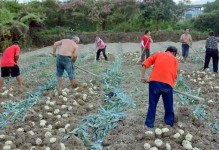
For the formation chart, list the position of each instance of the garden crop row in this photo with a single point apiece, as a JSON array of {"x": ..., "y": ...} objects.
[
  {"x": 96, "y": 126},
  {"x": 14, "y": 111},
  {"x": 200, "y": 108},
  {"x": 32, "y": 116},
  {"x": 32, "y": 66}
]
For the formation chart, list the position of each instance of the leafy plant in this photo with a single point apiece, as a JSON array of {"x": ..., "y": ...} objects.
[
  {"x": 5, "y": 15},
  {"x": 27, "y": 19}
]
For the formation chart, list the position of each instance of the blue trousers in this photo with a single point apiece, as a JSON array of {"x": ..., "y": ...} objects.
[
  {"x": 185, "y": 50},
  {"x": 155, "y": 90}
]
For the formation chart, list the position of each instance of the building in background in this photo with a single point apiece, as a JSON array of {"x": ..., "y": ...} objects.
[{"x": 193, "y": 12}]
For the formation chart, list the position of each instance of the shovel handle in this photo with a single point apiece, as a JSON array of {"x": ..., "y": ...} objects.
[{"x": 189, "y": 95}]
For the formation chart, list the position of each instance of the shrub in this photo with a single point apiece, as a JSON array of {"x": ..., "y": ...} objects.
[
  {"x": 125, "y": 27},
  {"x": 207, "y": 22},
  {"x": 12, "y": 29},
  {"x": 31, "y": 17},
  {"x": 56, "y": 31},
  {"x": 5, "y": 15},
  {"x": 181, "y": 25}
]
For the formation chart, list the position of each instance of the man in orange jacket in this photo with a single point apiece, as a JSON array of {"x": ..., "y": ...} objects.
[{"x": 161, "y": 82}]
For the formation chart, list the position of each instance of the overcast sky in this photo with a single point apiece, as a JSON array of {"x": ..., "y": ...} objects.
[
  {"x": 197, "y": 1},
  {"x": 193, "y": 1}
]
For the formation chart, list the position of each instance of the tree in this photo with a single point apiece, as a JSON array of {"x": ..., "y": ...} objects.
[
  {"x": 76, "y": 15},
  {"x": 159, "y": 10},
  {"x": 182, "y": 6},
  {"x": 100, "y": 13},
  {"x": 209, "y": 7},
  {"x": 208, "y": 22},
  {"x": 12, "y": 6},
  {"x": 5, "y": 15}
]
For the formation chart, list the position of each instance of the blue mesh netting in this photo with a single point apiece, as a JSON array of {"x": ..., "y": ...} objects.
[
  {"x": 14, "y": 111},
  {"x": 198, "y": 110},
  {"x": 96, "y": 126}
]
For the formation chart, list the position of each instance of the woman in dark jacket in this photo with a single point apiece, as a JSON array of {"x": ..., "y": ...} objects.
[{"x": 211, "y": 51}]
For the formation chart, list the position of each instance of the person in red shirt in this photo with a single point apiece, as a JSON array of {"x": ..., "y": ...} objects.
[
  {"x": 9, "y": 65},
  {"x": 161, "y": 82},
  {"x": 146, "y": 40}
]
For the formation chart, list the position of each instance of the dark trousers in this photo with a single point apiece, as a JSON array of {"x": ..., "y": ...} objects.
[
  {"x": 145, "y": 53},
  {"x": 155, "y": 90},
  {"x": 104, "y": 53},
  {"x": 185, "y": 50},
  {"x": 211, "y": 53}
]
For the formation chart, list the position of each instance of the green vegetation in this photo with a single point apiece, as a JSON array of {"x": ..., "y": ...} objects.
[
  {"x": 40, "y": 23},
  {"x": 208, "y": 21}
]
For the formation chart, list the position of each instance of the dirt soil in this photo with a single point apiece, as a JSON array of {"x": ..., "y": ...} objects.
[{"x": 130, "y": 133}]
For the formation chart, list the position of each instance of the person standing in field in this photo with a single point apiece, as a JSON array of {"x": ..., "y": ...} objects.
[
  {"x": 146, "y": 40},
  {"x": 9, "y": 66},
  {"x": 161, "y": 82},
  {"x": 65, "y": 58},
  {"x": 100, "y": 47},
  {"x": 211, "y": 51},
  {"x": 186, "y": 40}
]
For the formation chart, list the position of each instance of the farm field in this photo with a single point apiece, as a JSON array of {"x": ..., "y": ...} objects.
[{"x": 107, "y": 112}]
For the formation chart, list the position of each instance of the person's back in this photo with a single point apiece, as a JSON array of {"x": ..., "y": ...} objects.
[
  {"x": 100, "y": 44},
  {"x": 165, "y": 67},
  {"x": 211, "y": 42},
  {"x": 100, "y": 47},
  {"x": 161, "y": 82},
  {"x": 9, "y": 65},
  {"x": 8, "y": 57},
  {"x": 66, "y": 57},
  {"x": 67, "y": 47},
  {"x": 211, "y": 51}
]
